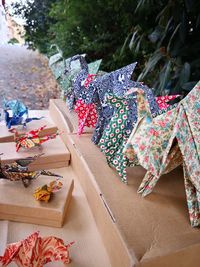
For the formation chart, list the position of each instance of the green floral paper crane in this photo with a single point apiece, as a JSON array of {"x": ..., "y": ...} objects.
[{"x": 116, "y": 135}]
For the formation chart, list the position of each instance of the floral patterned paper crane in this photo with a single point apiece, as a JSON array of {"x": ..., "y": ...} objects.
[
  {"x": 31, "y": 139},
  {"x": 120, "y": 126},
  {"x": 81, "y": 80},
  {"x": 114, "y": 82},
  {"x": 164, "y": 142}
]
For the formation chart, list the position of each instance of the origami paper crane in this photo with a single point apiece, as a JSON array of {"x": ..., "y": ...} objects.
[
  {"x": 105, "y": 112},
  {"x": 76, "y": 98},
  {"x": 19, "y": 113},
  {"x": 72, "y": 68},
  {"x": 87, "y": 115},
  {"x": 114, "y": 82},
  {"x": 16, "y": 106},
  {"x": 65, "y": 70},
  {"x": 18, "y": 170},
  {"x": 31, "y": 139},
  {"x": 120, "y": 126},
  {"x": 45, "y": 192},
  {"x": 163, "y": 143},
  {"x": 81, "y": 81},
  {"x": 36, "y": 251},
  {"x": 116, "y": 135}
]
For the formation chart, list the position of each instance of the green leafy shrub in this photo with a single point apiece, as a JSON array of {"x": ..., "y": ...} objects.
[
  {"x": 163, "y": 36},
  {"x": 13, "y": 41}
]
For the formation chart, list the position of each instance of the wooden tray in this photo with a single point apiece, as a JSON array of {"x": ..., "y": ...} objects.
[{"x": 18, "y": 204}]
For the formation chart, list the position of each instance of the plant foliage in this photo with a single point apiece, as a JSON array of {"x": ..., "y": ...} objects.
[{"x": 163, "y": 36}]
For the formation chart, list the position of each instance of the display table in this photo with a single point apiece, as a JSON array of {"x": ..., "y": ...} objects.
[
  {"x": 136, "y": 232},
  {"x": 18, "y": 204},
  {"x": 150, "y": 232}
]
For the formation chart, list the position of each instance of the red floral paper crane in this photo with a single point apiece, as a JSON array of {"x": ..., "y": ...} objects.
[{"x": 32, "y": 138}]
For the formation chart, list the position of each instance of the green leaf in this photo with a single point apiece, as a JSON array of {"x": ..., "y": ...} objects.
[
  {"x": 172, "y": 37},
  {"x": 125, "y": 45},
  {"x": 157, "y": 56},
  {"x": 183, "y": 27},
  {"x": 140, "y": 5},
  {"x": 137, "y": 48},
  {"x": 133, "y": 39},
  {"x": 198, "y": 21},
  {"x": 188, "y": 86},
  {"x": 165, "y": 32},
  {"x": 185, "y": 73},
  {"x": 165, "y": 75},
  {"x": 183, "y": 77},
  {"x": 163, "y": 15}
]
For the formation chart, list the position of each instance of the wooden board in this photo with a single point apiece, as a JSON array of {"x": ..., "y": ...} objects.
[
  {"x": 18, "y": 204},
  {"x": 79, "y": 226},
  {"x": 6, "y": 136},
  {"x": 55, "y": 154}
]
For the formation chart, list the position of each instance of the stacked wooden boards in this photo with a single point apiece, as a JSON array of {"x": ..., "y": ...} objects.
[
  {"x": 28, "y": 215},
  {"x": 17, "y": 202}
]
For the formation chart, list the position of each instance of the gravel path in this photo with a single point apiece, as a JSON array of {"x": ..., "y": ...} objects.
[{"x": 24, "y": 75}]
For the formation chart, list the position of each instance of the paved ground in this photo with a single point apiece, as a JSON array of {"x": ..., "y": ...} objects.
[{"x": 24, "y": 75}]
